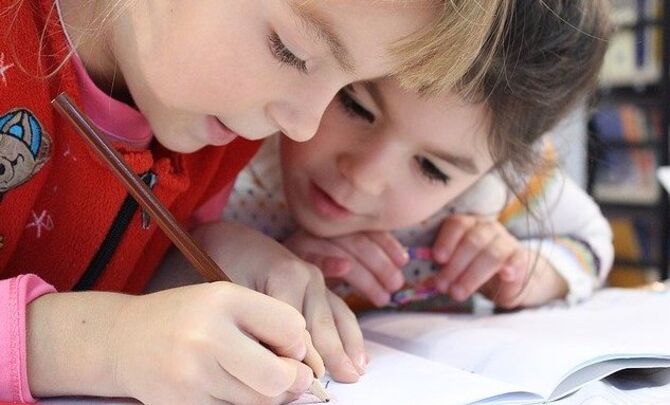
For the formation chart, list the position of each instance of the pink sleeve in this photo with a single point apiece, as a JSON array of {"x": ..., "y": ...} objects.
[
  {"x": 212, "y": 209},
  {"x": 15, "y": 295}
]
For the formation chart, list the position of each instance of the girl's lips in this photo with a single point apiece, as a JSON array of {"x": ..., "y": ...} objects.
[
  {"x": 324, "y": 205},
  {"x": 217, "y": 133}
]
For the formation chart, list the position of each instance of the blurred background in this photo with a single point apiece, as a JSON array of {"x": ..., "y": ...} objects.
[{"x": 615, "y": 147}]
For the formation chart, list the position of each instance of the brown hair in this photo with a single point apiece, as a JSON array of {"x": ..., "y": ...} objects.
[
  {"x": 547, "y": 62},
  {"x": 437, "y": 57}
]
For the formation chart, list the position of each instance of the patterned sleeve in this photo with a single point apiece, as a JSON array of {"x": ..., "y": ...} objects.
[{"x": 566, "y": 227}]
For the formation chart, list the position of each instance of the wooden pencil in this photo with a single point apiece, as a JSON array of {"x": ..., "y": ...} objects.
[{"x": 202, "y": 263}]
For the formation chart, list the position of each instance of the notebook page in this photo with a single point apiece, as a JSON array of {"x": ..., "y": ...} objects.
[
  {"x": 394, "y": 377},
  {"x": 533, "y": 349}
]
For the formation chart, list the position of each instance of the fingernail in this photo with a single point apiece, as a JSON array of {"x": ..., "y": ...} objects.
[
  {"x": 440, "y": 255},
  {"x": 442, "y": 286},
  {"x": 457, "y": 293},
  {"x": 362, "y": 363},
  {"x": 382, "y": 300},
  {"x": 402, "y": 258},
  {"x": 352, "y": 368},
  {"x": 398, "y": 281}
]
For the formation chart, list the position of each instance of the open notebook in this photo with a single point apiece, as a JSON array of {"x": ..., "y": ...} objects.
[{"x": 525, "y": 357}]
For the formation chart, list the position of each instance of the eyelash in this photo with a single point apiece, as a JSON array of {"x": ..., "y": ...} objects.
[
  {"x": 284, "y": 55},
  {"x": 353, "y": 108},
  {"x": 430, "y": 171}
]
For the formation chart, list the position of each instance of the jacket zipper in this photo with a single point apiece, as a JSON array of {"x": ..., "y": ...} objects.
[{"x": 113, "y": 237}]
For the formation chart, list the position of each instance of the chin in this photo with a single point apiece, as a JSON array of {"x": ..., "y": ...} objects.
[
  {"x": 179, "y": 144},
  {"x": 324, "y": 229}
]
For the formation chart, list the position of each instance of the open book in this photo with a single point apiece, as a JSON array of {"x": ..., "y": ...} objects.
[{"x": 530, "y": 356}]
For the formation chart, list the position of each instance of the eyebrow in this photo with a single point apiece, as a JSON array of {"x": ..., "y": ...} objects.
[
  {"x": 318, "y": 27},
  {"x": 464, "y": 163}
]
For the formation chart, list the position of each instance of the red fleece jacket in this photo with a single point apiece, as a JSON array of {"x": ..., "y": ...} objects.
[{"x": 63, "y": 215}]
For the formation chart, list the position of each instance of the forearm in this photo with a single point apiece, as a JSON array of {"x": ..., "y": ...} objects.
[
  {"x": 217, "y": 239},
  {"x": 174, "y": 271},
  {"x": 71, "y": 341}
]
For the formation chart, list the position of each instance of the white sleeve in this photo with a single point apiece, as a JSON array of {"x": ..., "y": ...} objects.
[{"x": 568, "y": 229}]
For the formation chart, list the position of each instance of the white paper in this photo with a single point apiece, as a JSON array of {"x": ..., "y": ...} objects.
[{"x": 535, "y": 350}]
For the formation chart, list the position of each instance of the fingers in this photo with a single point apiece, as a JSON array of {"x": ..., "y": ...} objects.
[
  {"x": 450, "y": 234},
  {"x": 243, "y": 394},
  {"x": 333, "y": 267},
  {"x": 391, "y": 246},
  {"x": 488, "y": 262},
  {"x": 321, "y": 323},
  {"x": 333, "y": 261},
  {"x": 274, "y": 323},
  {"x": 369, "y": 262},
  {"x": 508, "y": 289},
  {"x": 291, "y": 290},
  {"x": 471, "y": 244},
  {"x": 312, "y": 358},
  {"x": 350, "y": 332},
  {"x": 363, "y": 281},
  {"x": 375, "y": 258},
  {"x": 269, "y": 374},
  {"x": 288, "y": 283}
]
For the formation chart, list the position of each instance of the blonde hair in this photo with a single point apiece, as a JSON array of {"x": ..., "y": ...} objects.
[
  {"x": 57, "y": 58},
  {"x": 437, "y": 58},
  {"x": 432, "y": 60}
]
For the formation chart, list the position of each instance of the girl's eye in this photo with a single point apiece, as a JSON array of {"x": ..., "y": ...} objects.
[
  {"x": 284, "y": 55},
  {"x": 431, "y": 171},
  {"x": 353, "y": 108}
]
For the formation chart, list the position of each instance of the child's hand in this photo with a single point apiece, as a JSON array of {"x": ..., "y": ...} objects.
[
  {"x": 259, "y": 262},
  {"x": 370, "y": 262},
  {"x": 534, "y": 284},
  {"x": 201, "y": 344},
  {"x": 474, "y": 252},
  {"x": 204, "y": 343}
]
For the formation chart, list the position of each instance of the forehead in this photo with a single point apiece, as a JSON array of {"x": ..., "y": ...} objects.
[
  {"x": 443, "y": 122},
  {"x": 369, "y": 29}
]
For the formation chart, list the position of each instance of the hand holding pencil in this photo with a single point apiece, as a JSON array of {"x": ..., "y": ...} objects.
[{"x": 196, "y": 328}]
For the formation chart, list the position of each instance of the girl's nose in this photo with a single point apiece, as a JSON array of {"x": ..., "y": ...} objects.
[
  {"x": 367, "y": 169},
  {"x": 298, "y": 117}
]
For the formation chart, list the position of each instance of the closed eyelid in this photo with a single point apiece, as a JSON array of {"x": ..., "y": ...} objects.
[
  {"x": 323, "y": 32},
  {"x": 464, "y": 163}
]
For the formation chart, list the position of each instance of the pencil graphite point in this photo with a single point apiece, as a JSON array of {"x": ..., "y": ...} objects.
[{"x": 318, "y": 391}]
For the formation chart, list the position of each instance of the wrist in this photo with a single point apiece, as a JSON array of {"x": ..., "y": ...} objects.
[
  {"x": 547, "y": 284},
  {"x": 71, "y": 346}
]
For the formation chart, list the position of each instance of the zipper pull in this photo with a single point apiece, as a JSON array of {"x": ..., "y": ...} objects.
[{"x": 150, "y": 179}]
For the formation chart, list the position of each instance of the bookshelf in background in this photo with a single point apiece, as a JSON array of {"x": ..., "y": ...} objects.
[{"x": 628, "y": 140}]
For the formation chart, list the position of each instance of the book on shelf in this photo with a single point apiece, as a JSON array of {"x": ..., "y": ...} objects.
[
  {"x": 633, "y": 58},
  {"x": 628, "y": 12},
  {"x": 626, "y": 176},
  {"x": 628, "y": 122},
  {"x": 633, "y": 236},
  {"x": 531, "y": 356}
]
